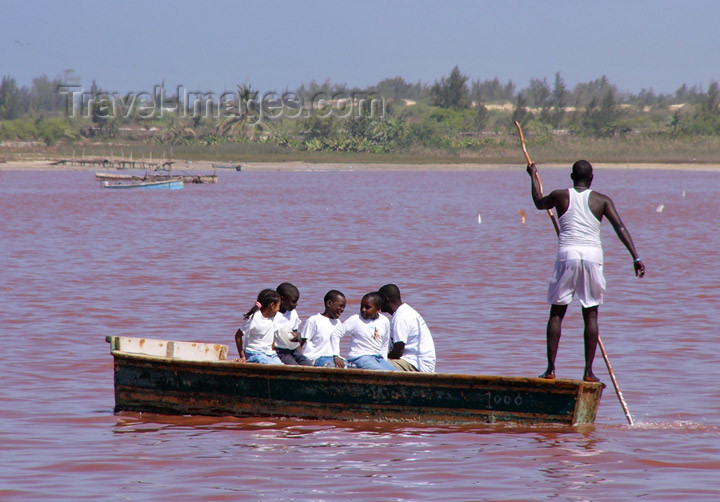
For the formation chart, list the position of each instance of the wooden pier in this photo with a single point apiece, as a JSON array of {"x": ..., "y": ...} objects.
[{"x": 117, "y": 163}]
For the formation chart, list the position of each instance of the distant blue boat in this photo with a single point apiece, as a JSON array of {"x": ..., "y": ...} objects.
[{"x": 145, "y": 185}]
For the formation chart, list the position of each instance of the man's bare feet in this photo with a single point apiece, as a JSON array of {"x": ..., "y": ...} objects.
[
  {"x": 589, "y": 377},
  {"x": 548, "y": 375}
]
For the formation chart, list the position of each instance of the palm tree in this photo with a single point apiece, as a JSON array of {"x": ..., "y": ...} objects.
[{"x": 246, "y": 121}]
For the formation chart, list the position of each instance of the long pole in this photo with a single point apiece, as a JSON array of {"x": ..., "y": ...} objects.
[
  {"x": 615, "y": 384},
  {"x": 602, "y": 347},
  {"x": 537, "y": 177}
]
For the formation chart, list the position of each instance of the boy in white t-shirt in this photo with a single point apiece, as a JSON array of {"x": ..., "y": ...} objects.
[
  {"x": 413, "y": 348},
  {"x": 287, "y": 337},
  {"x": 319, "y": 345},
  {"x": 369, "y": 335}
]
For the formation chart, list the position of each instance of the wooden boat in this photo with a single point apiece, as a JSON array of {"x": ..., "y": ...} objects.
[
  {"x": 237, "y": 167},
  {"x": 165, "y": 376},
  {"x": 171, "y": 184},
  {"x": 186, "y": 178}
]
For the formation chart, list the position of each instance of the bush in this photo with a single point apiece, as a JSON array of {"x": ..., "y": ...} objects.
[
  {"x": 426, "y": 133},
  {"x": 455, "y": 119},
  {"x": 53, "y": 129},
  {"x": 702, "y": 124},
  {"x": 19, "y": 129}
]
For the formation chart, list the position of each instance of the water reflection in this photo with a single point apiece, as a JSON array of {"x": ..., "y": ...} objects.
[
  {"x": 140, "y": 422},
  {"x": 568, "y": 464}
]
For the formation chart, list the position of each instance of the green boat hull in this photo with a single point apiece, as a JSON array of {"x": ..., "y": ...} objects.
[{"x": 168, "y": 385}]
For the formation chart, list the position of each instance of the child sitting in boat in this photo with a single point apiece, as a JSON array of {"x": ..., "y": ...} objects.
[
  {"x": 287, "y": 338},
  {"x": 255, "y": 337},
  {"x": 320, "y": 346},
  {"x": 369, "y": 335}
]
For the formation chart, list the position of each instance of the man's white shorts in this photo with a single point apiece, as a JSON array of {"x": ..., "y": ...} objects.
[{"x": 577, "y": 278}]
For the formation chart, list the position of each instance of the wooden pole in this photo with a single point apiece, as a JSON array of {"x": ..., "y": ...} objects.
[
  {"x": 537, "y": 177},
  {"x": 615, "y": 384},
  {"x": 602, "y": 347}
]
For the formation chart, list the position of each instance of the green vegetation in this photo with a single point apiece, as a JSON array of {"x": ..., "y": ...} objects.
[{"x": 452, "y": 120}]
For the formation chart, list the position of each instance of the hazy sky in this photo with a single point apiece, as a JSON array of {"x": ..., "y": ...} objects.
[{"x": 274, "y": 45}]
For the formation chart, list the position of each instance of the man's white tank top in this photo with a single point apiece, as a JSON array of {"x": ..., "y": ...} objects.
[{"x": 579, "y": 230}]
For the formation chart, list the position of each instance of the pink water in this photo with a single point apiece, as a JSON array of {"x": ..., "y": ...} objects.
[{"x": 80, "y": 263}]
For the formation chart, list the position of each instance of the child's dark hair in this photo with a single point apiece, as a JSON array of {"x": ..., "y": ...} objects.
[
  {"x": 332, "y": 295},
  {"x": 286, "y": 290},
  {"x": 375, "y": 297},
  {"x": 390, "y": 293},
  {"x": 265, "y": 298}
]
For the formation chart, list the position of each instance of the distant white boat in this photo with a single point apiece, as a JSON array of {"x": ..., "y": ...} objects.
[{"x": 237, "y": 167}]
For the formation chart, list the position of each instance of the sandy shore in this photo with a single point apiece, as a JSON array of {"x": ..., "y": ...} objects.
[{"x": 183, "y": 166}]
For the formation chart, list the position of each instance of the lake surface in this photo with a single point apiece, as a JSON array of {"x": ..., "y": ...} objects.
[{"x": 80, "y": 263}]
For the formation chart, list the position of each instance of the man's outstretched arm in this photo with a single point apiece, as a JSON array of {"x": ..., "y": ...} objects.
[{"x": 613, "y": 217}]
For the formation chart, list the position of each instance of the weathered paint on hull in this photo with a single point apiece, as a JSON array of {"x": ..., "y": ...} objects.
[
  {"x": 185, "y": 178},
  {"x": 145, "y": 185},
  {"x": 155, "y": 384}
]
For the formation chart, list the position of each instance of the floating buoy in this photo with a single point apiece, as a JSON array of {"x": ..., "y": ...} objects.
[
  {"x": 660, "y": 208},
  {"x": 479, "y": 218},
  {"x": 522, "y": 216}
]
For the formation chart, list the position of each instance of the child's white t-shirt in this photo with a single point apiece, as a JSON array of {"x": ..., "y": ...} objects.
[
  {"x": 368, "y": 337},
  {"x": 258, "y": 333},
  {"x": 319, "y": 342},
  {"x": 285, "y": 323},
  {"x": 410, "y": 328}
]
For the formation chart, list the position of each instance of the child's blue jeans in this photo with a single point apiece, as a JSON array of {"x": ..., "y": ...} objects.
[
  {"x": 372, "y": 362},
  {"x": 261, "y": 358}
]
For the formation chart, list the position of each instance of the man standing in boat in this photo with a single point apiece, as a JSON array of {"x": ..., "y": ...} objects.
[
  {"x": 412, "y": 344},
  {"x": 579, "y": 263}
]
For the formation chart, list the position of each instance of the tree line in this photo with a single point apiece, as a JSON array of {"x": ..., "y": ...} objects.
[{"x": 454, "y": 112}]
